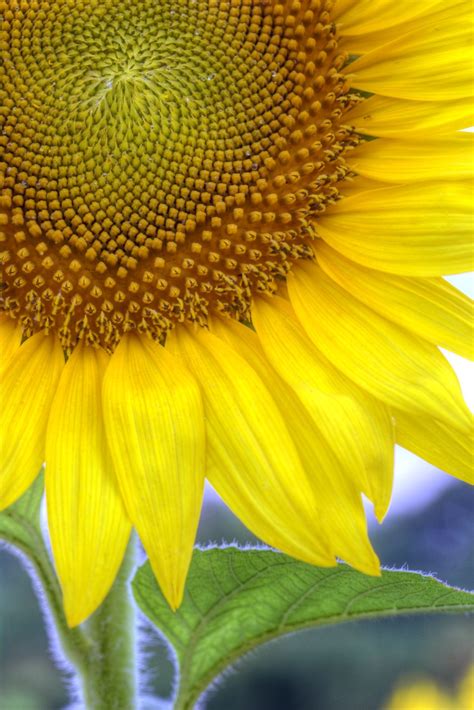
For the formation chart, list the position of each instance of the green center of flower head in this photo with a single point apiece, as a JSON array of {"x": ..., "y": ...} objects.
[{"x": 161, "y": 159}]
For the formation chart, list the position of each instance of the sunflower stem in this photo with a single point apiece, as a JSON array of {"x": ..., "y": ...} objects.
[{"x": 108, "y": 670}]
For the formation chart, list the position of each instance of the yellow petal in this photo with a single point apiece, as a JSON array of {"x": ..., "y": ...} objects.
[
  {"x": 422, "y": 694},
  {"x": 87, "y": 523},
  {"x": 441, "y": 445},
  {"x": 10, "y": 339},
  {"x": 357, "y": 427},
  {"x": 428, "y": 64},
  {"x": 341, "y": 7},
  {"x": 388, "y": 117},
  {"x": 251, "y": 459},
  {"x": 401, "y": 161},
  {"x": 336, "y": 494},
  {"x": 155, "y": 429},
  {"x": 334, "y": 490},
  {"x": 413, "y": 230},
  {"x": 466, "y": 688},
  {"x": 357, "y": 185},
  {"x": 394, "y": 365},
  {"x": 355, "y": 17},
  {"x": 367, "y": 25},
  {"x": 26, "y": 393},
  {"x": 431, "y": 308}
]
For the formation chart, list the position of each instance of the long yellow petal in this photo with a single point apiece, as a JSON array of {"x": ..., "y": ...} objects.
[
  {"x": 355, "y": 17},
  {"x": 448, "y": 449},
  {"x": 394, "y": 365},
  {"x": 368, "y": 25},
  {"x": 358, "y": 184},
  {"x": 87, "y": 523},
  {"x": 403, "y": 161},
  {"x": 251, "y": 459},
  {"x": 155, "y": 429},
  {"x": 428, "y": 64},
  {"x": 387, "y": 117},
  {"x": 334, "y": 490},
  {"x": 412, "y": 230},
  {"x": 26, "y": 393},
  {"x": 431, "y": 308},
  {"x": 356, "y": 426}
]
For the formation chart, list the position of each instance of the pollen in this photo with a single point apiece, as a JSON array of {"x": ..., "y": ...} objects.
[{"x": 161, "y": 160}]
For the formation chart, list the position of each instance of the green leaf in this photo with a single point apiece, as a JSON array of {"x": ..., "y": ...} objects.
[
  {"x": 20, "y": 522},
  {"x": 236, "y": 599}
]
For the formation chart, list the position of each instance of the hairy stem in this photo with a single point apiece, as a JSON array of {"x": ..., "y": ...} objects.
[
  {"x": 101, "y": 650},
  {"x": 108, "y": 670}
]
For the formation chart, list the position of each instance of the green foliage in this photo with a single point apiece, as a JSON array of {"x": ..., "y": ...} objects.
[{"x": 236, "y": 599}]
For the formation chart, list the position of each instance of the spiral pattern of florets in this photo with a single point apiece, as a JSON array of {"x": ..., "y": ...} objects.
[{"x": 161, "y": 159}]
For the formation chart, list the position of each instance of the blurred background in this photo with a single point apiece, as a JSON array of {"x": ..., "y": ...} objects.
[{"x": 355, "y": 666}]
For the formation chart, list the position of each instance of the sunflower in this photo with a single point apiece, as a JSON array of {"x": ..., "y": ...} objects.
[
  {"x": 426, "y": 694},
  {"x": 224, "y": 229}
]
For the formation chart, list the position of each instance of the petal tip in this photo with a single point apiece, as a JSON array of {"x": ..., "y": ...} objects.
[
  {"x": 368, "y": 564},
  {"x": 171, "y": 581},
  {"x": 75, "y": 612},
  {"x": 381, "y": 510},
  {"x": 174, "y": 596}
]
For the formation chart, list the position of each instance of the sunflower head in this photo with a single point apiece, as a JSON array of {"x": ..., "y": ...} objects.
[{"x": 172, "y": 163}]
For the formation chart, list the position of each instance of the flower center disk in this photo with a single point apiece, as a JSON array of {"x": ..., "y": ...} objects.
[{"x": 161, "y": 160}]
